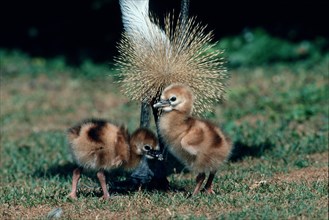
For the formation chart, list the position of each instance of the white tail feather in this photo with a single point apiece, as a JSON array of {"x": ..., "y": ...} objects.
[{"x": 137, "y": 23}]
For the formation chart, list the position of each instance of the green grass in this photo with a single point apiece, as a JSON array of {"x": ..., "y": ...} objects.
[{"x": 276, "y": 115}]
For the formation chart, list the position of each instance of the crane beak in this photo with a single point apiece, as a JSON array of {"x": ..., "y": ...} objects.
[{"x": 161, "y": 104}]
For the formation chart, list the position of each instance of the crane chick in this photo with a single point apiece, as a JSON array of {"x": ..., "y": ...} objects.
[
  {"x": 197, "y": 143},
  {"x": 100, "y": 145}
]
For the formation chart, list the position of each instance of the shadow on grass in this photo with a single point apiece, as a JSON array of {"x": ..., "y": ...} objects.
[
  {"x": 119, "y": 180},
  {"x": 242, "y": 150},
  {"x": 121, "y": 183}
]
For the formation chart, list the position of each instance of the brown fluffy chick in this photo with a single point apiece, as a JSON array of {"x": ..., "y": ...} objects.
[
  {"x": 99, "y": 145},
  {"x": 197, "y": 143}
]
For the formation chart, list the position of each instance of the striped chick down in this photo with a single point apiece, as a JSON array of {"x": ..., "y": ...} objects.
[{"x": 99, "y": 145}]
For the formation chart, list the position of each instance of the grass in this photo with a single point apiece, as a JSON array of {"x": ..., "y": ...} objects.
[{"x": 276, "y": 115}]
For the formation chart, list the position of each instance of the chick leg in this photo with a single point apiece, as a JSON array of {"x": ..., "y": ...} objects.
[
  {"x": 199, "y": 180},
  {"x": 75, "y": 179},
  {"x": 208, "y": 186},
  {"x": 102, "y": 180}
]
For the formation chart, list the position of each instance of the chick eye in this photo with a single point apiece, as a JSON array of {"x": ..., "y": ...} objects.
[
  {"x": 172, "y": 99},
  {"x": 147, "y": 147}
]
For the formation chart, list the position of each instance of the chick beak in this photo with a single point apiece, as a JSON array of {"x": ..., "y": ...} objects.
[
  {"x": 154, "y": 154},
  {"x": 161, "y": 103}
]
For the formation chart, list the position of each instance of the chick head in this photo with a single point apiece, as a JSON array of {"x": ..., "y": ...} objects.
[{"x": 177, "y": 97}]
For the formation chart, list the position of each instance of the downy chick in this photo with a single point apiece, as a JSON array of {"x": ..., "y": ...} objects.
[
  {"x": 197, "y": 143},
  {"x": 99, "y": 145}
]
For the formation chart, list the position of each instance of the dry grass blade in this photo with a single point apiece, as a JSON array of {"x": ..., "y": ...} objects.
[{"x": 182, "y": 53}]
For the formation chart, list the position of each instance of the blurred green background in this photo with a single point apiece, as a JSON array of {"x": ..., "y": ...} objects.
[{"x": 79, "y": 30}]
